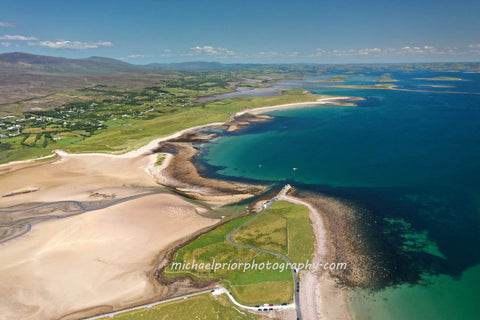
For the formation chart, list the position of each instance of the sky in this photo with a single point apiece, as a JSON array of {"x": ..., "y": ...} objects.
[{"x": 261, "y": 31}]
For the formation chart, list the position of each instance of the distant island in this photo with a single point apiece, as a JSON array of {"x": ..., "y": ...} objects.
[
  {"x": 442, "y": 79},
  {"x": 386, "y": 78},
  {"x": 337, "y": 78},
  {"x": 361, "y": 86}
]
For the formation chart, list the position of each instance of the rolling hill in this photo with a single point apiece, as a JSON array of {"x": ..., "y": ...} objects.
[{"x": 20, "y": 61}]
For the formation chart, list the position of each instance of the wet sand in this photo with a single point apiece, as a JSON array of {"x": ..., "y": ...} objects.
[
  {"x": 100, "y": 258},
  {"x": 76, "y": 177},
  {"x": 116, "y": 247}
]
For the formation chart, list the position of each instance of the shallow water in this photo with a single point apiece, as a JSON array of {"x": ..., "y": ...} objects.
[{"x": 409, "y": 159}]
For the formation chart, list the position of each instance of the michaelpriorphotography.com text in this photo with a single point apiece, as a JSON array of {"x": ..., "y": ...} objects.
[{"x": 253, "y": 265}]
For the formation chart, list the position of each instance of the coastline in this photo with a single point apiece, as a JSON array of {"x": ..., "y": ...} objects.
[
  {"x": 330, "y": 101},
  {"x": 321, "y": 295},
  {"x": 321, "y": 299},
  {"x": 221, "y": 192}
]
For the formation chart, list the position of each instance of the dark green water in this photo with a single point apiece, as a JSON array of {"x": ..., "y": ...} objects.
[{"x": 408, "y": 159}]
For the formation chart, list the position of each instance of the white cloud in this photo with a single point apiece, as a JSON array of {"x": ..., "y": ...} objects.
[
  {"x": 74, "y": 45},
  {"x": 17, "y": 38},
  {"x": 343, "y": 53},
  {"x": 369, "y": 51},
  {"x": 416, "y": 50},
  {"x": 211, "y": 51},
  {"x": 6, "y": 44},
  {"x": 8, "y": 25},
  {"x": 270, "y": 54},
  {"x": 385, "y": 52},
  {"x": 474, "y": 45},
  {"x": 167, "y": 50},
  {"x": 319, "y": 52},
  {"x": 135, "y": 56}
]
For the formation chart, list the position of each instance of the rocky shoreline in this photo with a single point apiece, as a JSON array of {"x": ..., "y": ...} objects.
[{"x": 343, "y": 242}]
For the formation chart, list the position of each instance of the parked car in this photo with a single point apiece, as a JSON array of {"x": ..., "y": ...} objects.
[
  {"x": 284, "y": 304},
  {"x": 270, "y": 305}
]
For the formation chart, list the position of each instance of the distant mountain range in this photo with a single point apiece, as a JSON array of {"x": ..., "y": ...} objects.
[
  {"x": 20, "y": 61},
  {"x": 27, "y": 63}
]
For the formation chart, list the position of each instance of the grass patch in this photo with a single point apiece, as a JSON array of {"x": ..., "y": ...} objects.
[
  {"x": 160, "y": 159},
  {"x": 203, "y": 306},
  {"x": 31, "y": 139},
  {"x": 251, "y": 276},
  {"x": 295, "y": 92},
  {"x": 213, "y": 245},
  {"x": 252, "y": 84},
  {"x": 269, "y": 231},
  {"x": 286, "y": 226},
  {"x": 266, "y": 292}
]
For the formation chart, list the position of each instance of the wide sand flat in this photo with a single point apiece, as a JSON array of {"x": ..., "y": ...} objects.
[
  {"x": 102, "y": 257},
  {"x": 75, "y": 177}
]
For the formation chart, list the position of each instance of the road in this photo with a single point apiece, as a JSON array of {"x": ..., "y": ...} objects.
[
  {"x": 216, "y": 291},
  {"x": 221, "y": 290},
  {"x": 145, "y": 306},
  {"x": 266, "y": 206}
]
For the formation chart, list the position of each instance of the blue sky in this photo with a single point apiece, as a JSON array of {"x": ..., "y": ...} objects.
[{"x": 245, "y": 31}]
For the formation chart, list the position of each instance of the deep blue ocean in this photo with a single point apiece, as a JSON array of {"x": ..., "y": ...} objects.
[{"x": 411, "y": 160}]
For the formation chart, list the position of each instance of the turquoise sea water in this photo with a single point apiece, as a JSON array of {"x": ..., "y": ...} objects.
[{"x": 410, "y": 160}]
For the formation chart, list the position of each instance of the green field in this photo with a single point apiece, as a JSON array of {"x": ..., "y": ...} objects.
[
  {"x": 276, "y": 292},
  {"x": 205, "y": 307},
  {"x": 213, "y": 245},
  {"x": 284, "y": 228},
  {"x": 269, "y": 231},
  {"x": 140, "y": 132},
  {"x": 98, "y": 131}
]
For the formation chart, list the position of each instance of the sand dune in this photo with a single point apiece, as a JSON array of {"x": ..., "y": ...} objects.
[{"x": 98, "y": 258}]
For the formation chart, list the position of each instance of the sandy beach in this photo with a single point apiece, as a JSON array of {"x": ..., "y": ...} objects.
[
  {"x": 118, "y": 246},
  {"x": 320, "y": 298},
  {"x": 76, "y": 177},
  {"x": 332, "y": 101},
  {"x": 100, "y": 258}
]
